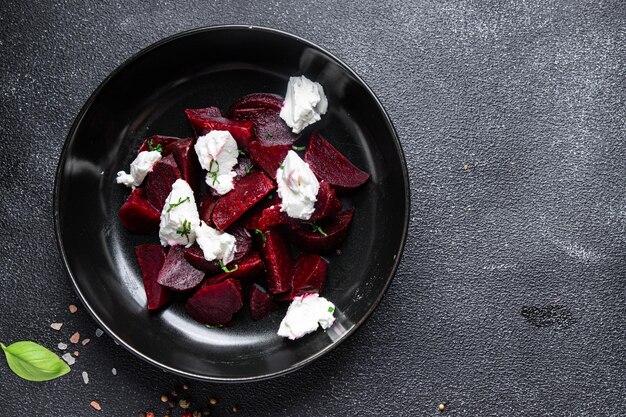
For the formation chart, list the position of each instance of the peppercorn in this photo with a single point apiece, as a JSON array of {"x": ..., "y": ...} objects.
[
  {"x": 184, "y": 403},
  {"x": 235, "y": 408},
  {"x": 185, "y": 386},
  {"x": 442, "y": 407},
  {"x": 213, "y": 401},
  {"x": 165, "y": 398}
]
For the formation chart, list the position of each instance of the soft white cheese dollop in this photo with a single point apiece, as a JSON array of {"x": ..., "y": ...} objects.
[
  {"x": 139, "y": 168},
  {"x": 297, "y": 187},
  {"x": 305, "y": 102},
  {"x": 215, "y": 244},
  {"x": 305, "y": 314},
  {"x": 217, "y": 152},
  {"x": 179, "y": 218}
]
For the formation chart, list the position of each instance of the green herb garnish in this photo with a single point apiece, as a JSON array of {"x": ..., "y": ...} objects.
[
  {"x": 331, "y": 309},
  {"x": 33, "y": 362},
  {"x": 298, "y": 148},
  {"x": 270, "y": 197},
  {"x": 281, "y": 166},
  {"x": 158, "y": 148},
  {"x": 186, "y": 229},
  {"x": 268, "y": 135},
  {"x": 180, "y": 201},
  {"x": 214, "y": 173},
  {"x": 317, "y": 229},
  {"x": 260, "y": 232},
  {"x": 225, "y": 268},
  {"x": 241, "y": 153},
  {"x": 248, "y": 169}
]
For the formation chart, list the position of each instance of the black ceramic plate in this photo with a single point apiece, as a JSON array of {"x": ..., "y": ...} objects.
[{"x": 147, "y": 95}]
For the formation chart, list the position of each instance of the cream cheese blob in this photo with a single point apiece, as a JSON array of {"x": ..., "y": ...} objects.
[
  {"x": 305, "y": 314},
  {"x": 217, "y": 152},
  {"x": 297, "y": 187},
  {"x": 215, "y": 244},
  {"x": 179, "y": 218},
  {"x": 305, "y": 103},
  {"x": 139, "y": 168}
]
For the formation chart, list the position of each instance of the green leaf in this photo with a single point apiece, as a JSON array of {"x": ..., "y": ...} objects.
[
  {"x": 225, "y": 268},
  {"x": 33, "y": 362},
  {"x": 331, "y": 309}
]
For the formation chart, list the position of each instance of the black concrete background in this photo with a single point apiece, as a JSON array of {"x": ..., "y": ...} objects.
[{"x": 511, "y": 296}]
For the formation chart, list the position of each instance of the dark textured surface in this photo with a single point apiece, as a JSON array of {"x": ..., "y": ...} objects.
[{"x": 512, "y": 119}]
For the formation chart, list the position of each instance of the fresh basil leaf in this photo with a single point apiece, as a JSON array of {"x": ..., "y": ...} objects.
[{"x": 33, "y": 362}]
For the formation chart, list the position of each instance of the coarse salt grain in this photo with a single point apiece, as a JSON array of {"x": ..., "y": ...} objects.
[
  {"x": 73, "y": 308},
  {"x": 68, "y": 358},
  {"x": 114, "y": 371},
  {"x": 85, "y": 341},
  {"x": 85, "y": 377},
  {"x": 99, "y": 332},
  {"x": 56, "y": 326},
  {"x": 96, "y": 405},
  {"x": 62, "y": 346},
  {"x": 75, "y": 338}
]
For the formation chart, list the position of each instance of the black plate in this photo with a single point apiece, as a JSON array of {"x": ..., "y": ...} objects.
[{"x": 146, "y": 95}]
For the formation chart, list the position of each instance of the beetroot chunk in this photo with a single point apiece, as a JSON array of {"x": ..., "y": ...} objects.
[
  {"x": 216, "y": 304},
  {"x": 151, "y": 258},
  {"x": 138, "y": 215},
  {"x": 177, "y": 274},
  {"x": 330, "y": 165},
  {"x": 242, "y": 130},
  {"x": 206, "y": 208},
  {"x": 243, "y": 242},
  {"x": 327, "y": 202},
  {"x": 205, "y": 113},
  {"x": 335, "y": 227},
  {"x": 187, "y": 161},
  {"x": 270, "y": 129},
  {"x": 269, "y": 158},
  {"x": 261, "y": 304},
  {"x": 309, "y": 274},
  {"x": 268, "y": 101},
  {"x": 277, "y": 261},
  {"x": 195, "y": 256},
  {"x": 153, "y": 142},
  {"x": 159, "y": 182},
  {"x": 247, "y": 268},
  {"x": 246, "y": 193}
]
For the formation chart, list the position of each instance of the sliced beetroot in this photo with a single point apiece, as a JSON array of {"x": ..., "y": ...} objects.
[
  {"x": 270, "y": 130},
  {"x": 330, "y": 165},
  {"x": 327, "y": 202},
  {"x": 246, "y": 193},
  {"x": 150, "y": 258},
  {"x": 205, "y": 113},
  {"x": 260, "y": 302},
  {"x": 206, "y": 208},
  {"x": 178, "y": 274},
  {"x": 278, "y": 261},
  {"x": 250, "y": 113},
  {"x": 268, "y": 158},
  {"x": 187, "y": 161},
  {"x": 243, "y": 168},
  {"x": 153, "y": 142},
  {"x": 242, "y": 130},
  {"x": 195, "y": 256},
  {"x": 138, "y": 215},
  {"x": 159, "y": 182},
  {"x": 268, "y": 217},
  {"x": 257, "y": 100},
  {"x": 243, "y": 242},
  {"x": 216, "y": 304},
  {"x": 309, "y": 274},
  {"x": 247, "y": 268},
  {"x": 335, "y": 228}
]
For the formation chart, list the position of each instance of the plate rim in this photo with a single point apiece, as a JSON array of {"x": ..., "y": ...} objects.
[{"x": 60, "y": 175}]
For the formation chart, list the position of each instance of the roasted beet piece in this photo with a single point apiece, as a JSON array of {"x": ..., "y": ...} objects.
[
  {"x": 260, "y": 303},
  {"x": 247, "y": 269},
  {"x": 206, "y": 208},
  {"x": 270, "y": 130},
  {"x": 250, "y": 114},
  {"x": 195, "y": 257},
  {"x": 178, "y": 274},
  {"x": 278, "y": 261},
  {"x": 216, "y": 304},
  {"x": 154, "y": 141},
  {"x": 138, "y": 215},
  {"x": 330, "y": 165},
  {"x": 151, "y": 258},
  {"x": 268, "y": 158},
  {"x": 259, "y": 101},
  {"x": 327, "y": 202},
  {"x": 243, "y": 242},
  {"x": 242, "y": 130},
  {"x": 159, "y": 182},
  {"x": 309, "y": 274},
  {"x": 187, "y": 161},
  {"x": 247, "y": 192},
  {"x": 335, "y": 228},
  {"x": 199, "y": 114},
  {"x": 265, "y": 217}
]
